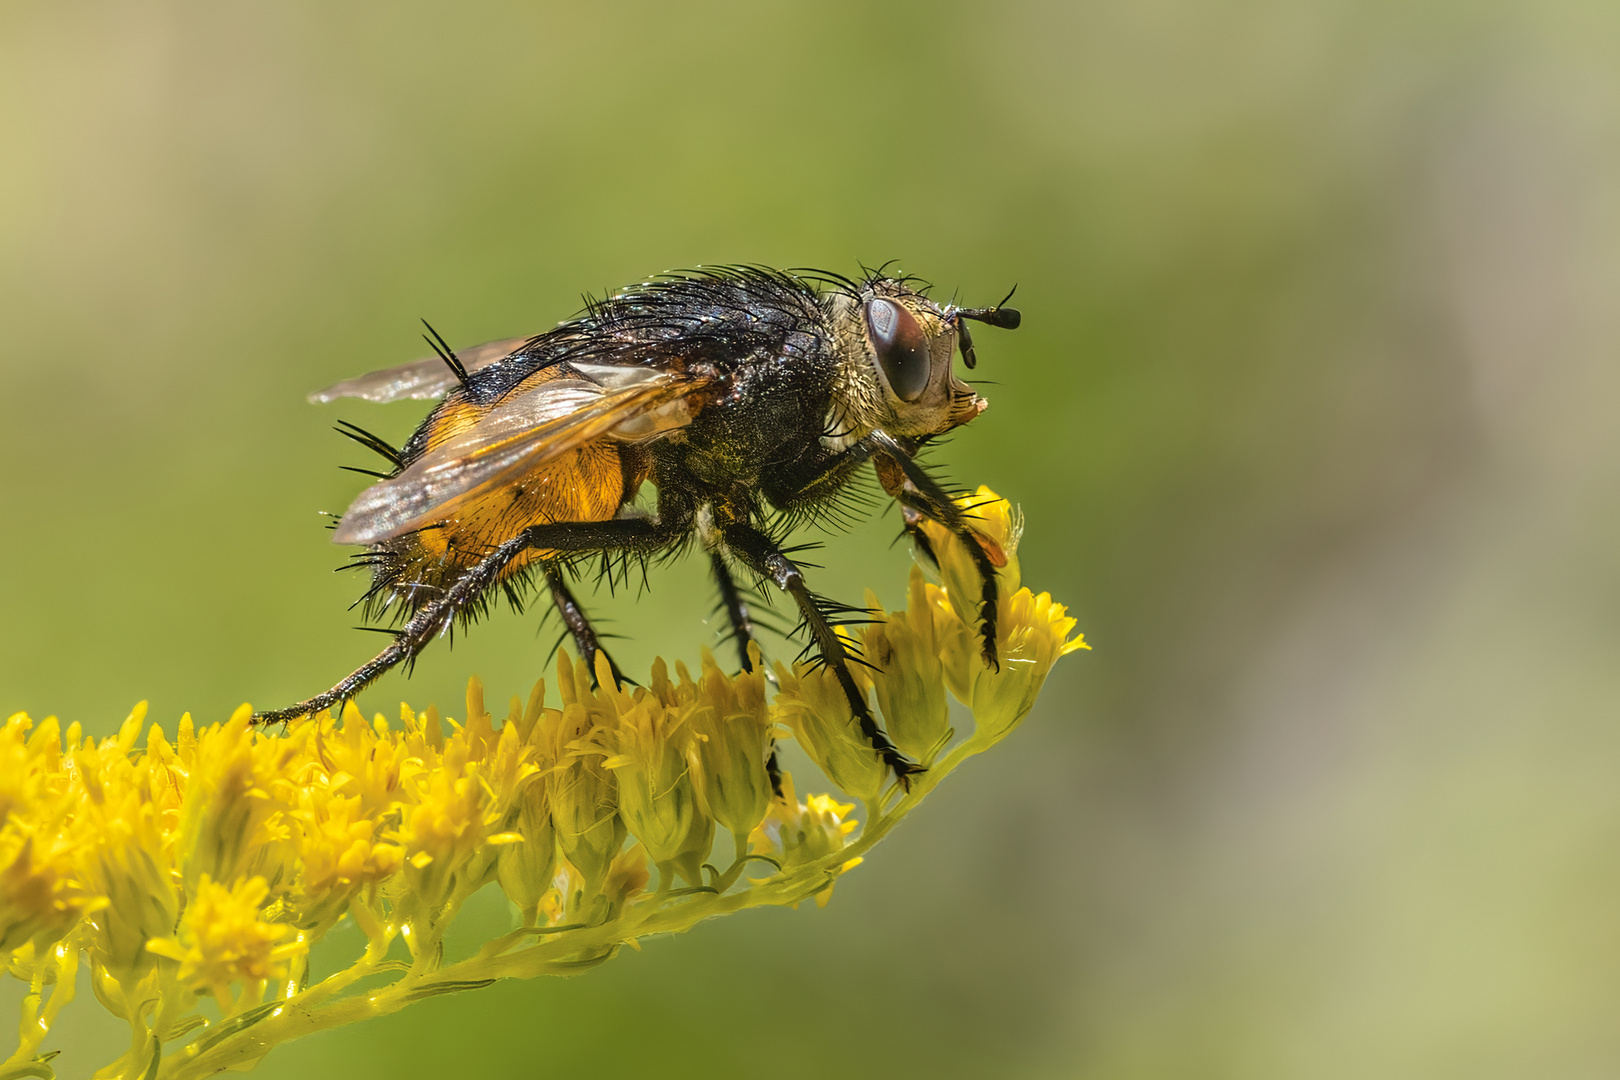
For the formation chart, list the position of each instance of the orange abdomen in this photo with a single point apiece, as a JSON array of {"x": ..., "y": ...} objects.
[
  {"x": 590, "y": 483},
  {"x": 587, "y": 484}
]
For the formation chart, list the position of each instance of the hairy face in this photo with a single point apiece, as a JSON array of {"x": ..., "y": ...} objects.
[{"x": 898, "y": 347}]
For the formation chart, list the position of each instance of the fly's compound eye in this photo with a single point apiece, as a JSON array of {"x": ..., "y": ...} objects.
[{"x": 901, "y": 346}]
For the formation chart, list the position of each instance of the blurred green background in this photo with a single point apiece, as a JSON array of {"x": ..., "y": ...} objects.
[{"x": 1313, "y": 417}]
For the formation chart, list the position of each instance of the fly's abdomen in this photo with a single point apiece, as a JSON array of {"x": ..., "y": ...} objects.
[{"x": 587, "y": 484}]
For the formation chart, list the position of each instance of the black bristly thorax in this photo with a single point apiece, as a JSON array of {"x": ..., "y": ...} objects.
[
  {"x": 767, "y": 414},
  {"x": 728, "y": 319},
  {"x": 763, "y": 335}
]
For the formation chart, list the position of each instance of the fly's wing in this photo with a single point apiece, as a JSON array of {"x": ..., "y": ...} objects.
[
  {"x": 422, "y": 380},
  {"x": 524, "y": 430}
]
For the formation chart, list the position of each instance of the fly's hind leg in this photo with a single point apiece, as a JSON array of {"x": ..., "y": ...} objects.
[
  {"x": 586, "y": 639},
  {"x": 764, "y": 557},
  {"x": 435, "y": 617}
]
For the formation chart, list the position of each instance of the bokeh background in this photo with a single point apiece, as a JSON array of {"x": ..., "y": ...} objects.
[{"x": 1313, "y": 416}]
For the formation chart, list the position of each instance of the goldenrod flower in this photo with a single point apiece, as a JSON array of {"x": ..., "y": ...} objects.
[
  {"x": 39, "y": 899},
  {"x": 207, "y": 866},
  {"x": 128, "y": 859},
  {"x": 584, "y": 791},
  {"x": 999, "y": 527},
  {"x": 908, "y": 677},
  {"x": 223, "y": 941},
  {"x": 731, "y": 739},
  {"x": 806, "y": 833},
  {"x": 444, "y": 827},
  {"x": 41, "y": 896},
  {"x": 643, "y": 741},
  {"x": 341, "y": 853},
  {"x": 230, "y": 826},
  {"x": 1032, "y": 631}
]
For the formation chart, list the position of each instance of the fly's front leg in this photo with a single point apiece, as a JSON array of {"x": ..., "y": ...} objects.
[
  {"x": 921, "y": 497},
  {"x": 912, "y": 519},
  {"x": 763, "y": 557}
]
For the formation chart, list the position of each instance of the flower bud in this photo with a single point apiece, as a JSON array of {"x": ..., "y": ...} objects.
[
  {"x": 583, "y": 791},
  {"x": 1034, "y": 633},
  {"x": 909, "y": 680},
  {"x": 525, "y": 869},
  {"x": 731, "y": 738},
  {"x": 959, "y": 650},
  {"x": 643, "y": 742},
  {"x": 694, "y": 850},
  {"x": 798, "y": 834},
  {"x": 626, "y": 877}
]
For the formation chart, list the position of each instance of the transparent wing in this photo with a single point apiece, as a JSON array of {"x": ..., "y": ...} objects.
[
  {"x": 422, "y": 380},
  {"x": 523, "y": 431}
]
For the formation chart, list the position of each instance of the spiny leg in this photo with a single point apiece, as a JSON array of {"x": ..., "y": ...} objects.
[
  {"x": 762, "y": 555},
  {"x": 742, "y": 631},
  {"x": 586, "y": 639},
  {"x": 409, "y": 640},
  {"x": 913, "y": 518},
  {"x": 920, "y": 496},
  {"x": 631, "y": 534},
  {"x": 736, "y": 607}
]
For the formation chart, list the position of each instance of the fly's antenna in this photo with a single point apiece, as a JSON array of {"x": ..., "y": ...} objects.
[
  {"x": 1001, "y": 317},
  {"x": 445, "y": 352}
]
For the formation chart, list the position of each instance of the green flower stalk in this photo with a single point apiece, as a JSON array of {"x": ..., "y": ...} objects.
[{"x": 203, "y": 869}]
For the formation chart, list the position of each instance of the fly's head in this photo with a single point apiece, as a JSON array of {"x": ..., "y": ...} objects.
[{"x": 899, "y": 346}]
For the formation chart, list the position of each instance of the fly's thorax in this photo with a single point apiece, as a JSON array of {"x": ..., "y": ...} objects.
[{"x": 895, "y": 350}]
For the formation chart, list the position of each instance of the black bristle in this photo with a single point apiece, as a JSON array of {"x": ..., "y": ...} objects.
[
  {"x": 442, "y": 348},
  {"x": 371, "y": 441}
]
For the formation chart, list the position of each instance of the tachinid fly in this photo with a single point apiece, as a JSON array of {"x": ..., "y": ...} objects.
[{"x": 749, "y": 397}]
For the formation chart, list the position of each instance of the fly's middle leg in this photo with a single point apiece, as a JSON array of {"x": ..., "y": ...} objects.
[
  {"x": 764, "y": 557},
  {"x": 742, "y": 632},
  {"x": 586, "y": 639},
  {"x": 736, "y": 608}
]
